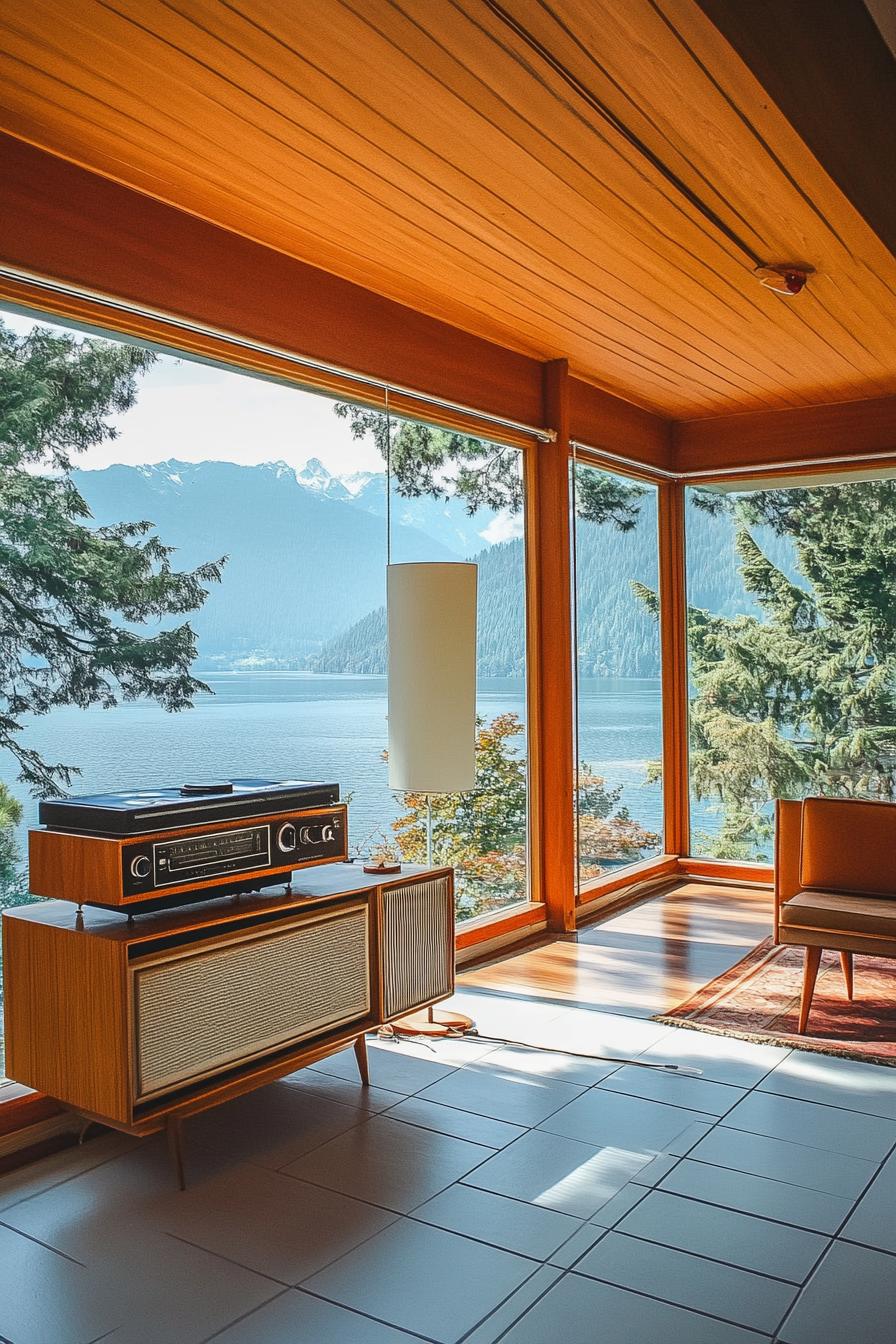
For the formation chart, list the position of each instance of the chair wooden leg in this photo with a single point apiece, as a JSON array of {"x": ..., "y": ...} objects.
[
  {"x": 846, "y": 963},
  {"x": 361, "y": 1057},
  {"x": 810, "y": 975}
]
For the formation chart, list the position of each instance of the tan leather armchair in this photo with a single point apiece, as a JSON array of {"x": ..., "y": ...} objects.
[{"x": 835, "y": 883}]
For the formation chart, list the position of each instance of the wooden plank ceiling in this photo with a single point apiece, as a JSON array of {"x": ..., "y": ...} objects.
[{"x": 430, "y": 151}]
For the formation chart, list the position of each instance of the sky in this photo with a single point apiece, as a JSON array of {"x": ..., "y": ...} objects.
[{"x": 195, "y": 412}]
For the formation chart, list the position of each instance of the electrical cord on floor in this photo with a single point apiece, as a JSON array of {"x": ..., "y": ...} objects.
[{"x": 386, "y": 1033}]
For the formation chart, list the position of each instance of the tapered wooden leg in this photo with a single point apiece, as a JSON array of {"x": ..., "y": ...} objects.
[
  {"x": 174, "y": 1135},
  {"x": 810, "y": 975},
  {"x": 846, "y": 963},
  {"x": 361, "y": 1057}
]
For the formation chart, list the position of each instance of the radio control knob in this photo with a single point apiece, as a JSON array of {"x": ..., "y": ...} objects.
[
  {"x": 286, "y": 838},
  {"x": 140, "y": 866}
]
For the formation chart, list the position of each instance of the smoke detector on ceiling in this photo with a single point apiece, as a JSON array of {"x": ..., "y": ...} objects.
[{"x": 787, "y": 278}]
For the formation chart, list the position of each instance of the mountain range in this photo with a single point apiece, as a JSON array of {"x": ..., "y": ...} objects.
[{"x": 304, "y": 582}]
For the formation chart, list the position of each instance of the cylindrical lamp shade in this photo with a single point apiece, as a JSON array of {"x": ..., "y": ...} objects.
[{"x": 431, "y": 640}]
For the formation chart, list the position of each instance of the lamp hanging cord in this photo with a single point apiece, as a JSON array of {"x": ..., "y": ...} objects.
[
  {"x": 386, "y": 1033},
  {"x": 610, "y": 117},
  {"x": 388, "y": 479}
]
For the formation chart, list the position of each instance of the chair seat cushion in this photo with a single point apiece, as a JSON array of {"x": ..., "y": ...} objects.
[{"x": 841, "y": 913}]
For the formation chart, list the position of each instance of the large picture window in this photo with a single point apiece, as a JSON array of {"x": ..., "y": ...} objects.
[
  {"x": 618, "y": 737},
  {"x": 233, "y": 533},
  {"x": 792, "y": 653}
]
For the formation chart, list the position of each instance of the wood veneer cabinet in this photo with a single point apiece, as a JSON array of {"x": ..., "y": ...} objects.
[{"x": 141, "y": 1022}]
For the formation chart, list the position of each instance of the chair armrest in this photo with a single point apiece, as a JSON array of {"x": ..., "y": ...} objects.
[{"x": 788, "y": 834}]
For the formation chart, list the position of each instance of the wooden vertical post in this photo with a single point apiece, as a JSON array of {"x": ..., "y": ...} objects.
[
  {"x": 674, "y": 662},
  {"x": 550, "y": 660}
]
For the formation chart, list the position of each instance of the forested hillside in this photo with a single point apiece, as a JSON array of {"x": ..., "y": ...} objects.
[
  {"x": 304, "y": 581},
  {"x": 301, "y": 566},
  {"x": 616, "y": 636}
]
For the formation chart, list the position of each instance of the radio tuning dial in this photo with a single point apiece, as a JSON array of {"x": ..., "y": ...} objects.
[
  {"x": 286, "y": 838},
  {"x": 140, "y": 866}
]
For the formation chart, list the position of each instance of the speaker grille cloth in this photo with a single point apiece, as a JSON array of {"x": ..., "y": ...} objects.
[
  {"x": 195, "y": 1015},
  {"x": 418, "y": 945}
]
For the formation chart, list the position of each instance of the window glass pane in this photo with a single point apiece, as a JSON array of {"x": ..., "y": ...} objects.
[
  {"x": 792, "y": 654},
  {"x": 281, "y": 673},
  {"x": 619, "y": 812},
  {"x": 456, "y": 498}
]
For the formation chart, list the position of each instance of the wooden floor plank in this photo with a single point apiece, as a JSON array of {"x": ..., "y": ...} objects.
[{"x": 645, "y": 960}]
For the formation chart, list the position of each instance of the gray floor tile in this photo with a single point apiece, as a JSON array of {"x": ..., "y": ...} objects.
[
  {"x": 461, "y": 1124},
  {"x": 577, "y": 1310},
  {"x": 657, "y": 1168},
  {"x": 519, "y": 1098},
  {"x": 173, "y": 1291},
  {"x": 557, "y": 1173},
  {"x": 794, "y": 1204},
  {"x": 30, "y": 1180},
  {"x": 615, "y": 1209},
  {"x": 597, "y": 1033},
  {"x": 271, "y": 1223},
  {"x": 423, "y": 1279},
  {"x": 722, "y": 1059},
  {"x": 343, "y": 1090},
  {"x": 689, "y": 1137},
  {"x": 510, "y": 1311},
  {"x": 587, "y": 1236},
  {"x": 123, "y": 1199},
  {"x": 722, "y": 1234},
  {"x": 526, "y": 1229},
  {"x": 781, "y": 1160},
  {"x": 506, "y": 1016},
  {"x": 388, "y": 1163},
  {"x": 874, "y": 1220},
  {"x": 391, "y": 1067},
  {"x": 45, "y": 1297},
  {"x": 848, "y": 1132},
  {"x": 272, "y": 1126},
  {"x": 850, "y": 1297},
  {"x": 550, "y": 1064},
  {"x": 450, "y": 1050},
  {"x": 849, "y": 1083},
  {"x": 735, "y": 1295},
  {"x": 695, "y": 1094},
  {"x": 628, "y": 1123},
  {"x": 297, "y": 1316}
]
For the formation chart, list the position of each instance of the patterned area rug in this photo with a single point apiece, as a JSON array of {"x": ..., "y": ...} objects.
[{"x": 758, "y": 1000}]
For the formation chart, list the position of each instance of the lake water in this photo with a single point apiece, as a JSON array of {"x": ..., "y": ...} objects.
[{"x": 332, "y": 728}]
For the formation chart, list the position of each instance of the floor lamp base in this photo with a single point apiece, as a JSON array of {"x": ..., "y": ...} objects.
[{"x": 433, "y": 1022}]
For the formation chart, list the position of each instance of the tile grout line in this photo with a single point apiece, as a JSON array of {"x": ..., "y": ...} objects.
[
  {"x": 45, "y": 1244},
  {"x": 244, "y": 1317},
  {"x": 796, "y": 1284},
  {"x": 412, "y": 1334},
  {"x": 483, "y": 1319},
  {"x": 697, "y": 1311}
]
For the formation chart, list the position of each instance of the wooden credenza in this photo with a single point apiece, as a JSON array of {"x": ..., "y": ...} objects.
[{"x": 140, "y": 1023}]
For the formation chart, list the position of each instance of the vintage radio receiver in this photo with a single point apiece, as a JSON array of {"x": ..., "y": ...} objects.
[{"x": 157, "y": 847}]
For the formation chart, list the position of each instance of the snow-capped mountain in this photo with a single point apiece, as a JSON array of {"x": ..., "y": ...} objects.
[
  {"x": 315, "y": 476},
  {"x": 445, "y": 520}
]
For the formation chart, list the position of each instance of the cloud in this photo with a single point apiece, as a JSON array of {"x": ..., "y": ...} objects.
[{"x": 505, "y": 526}]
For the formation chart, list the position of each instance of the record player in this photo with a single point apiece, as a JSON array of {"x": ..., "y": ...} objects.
[{"x": 147, "y": 848}]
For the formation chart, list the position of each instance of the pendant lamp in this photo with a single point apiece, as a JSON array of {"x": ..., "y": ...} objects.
[{"x": 431, "y": 644}]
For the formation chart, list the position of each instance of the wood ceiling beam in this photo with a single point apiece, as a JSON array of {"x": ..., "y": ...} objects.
[
  {"x": 846, "y": 429},
  {"x": 67, "y": 224},
  {"x": 826, "y": 66}
]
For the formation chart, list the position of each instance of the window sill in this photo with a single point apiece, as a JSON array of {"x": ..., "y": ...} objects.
[
  {"x": 620, "y": 879},
  {"x": 499, "y": 927}
]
